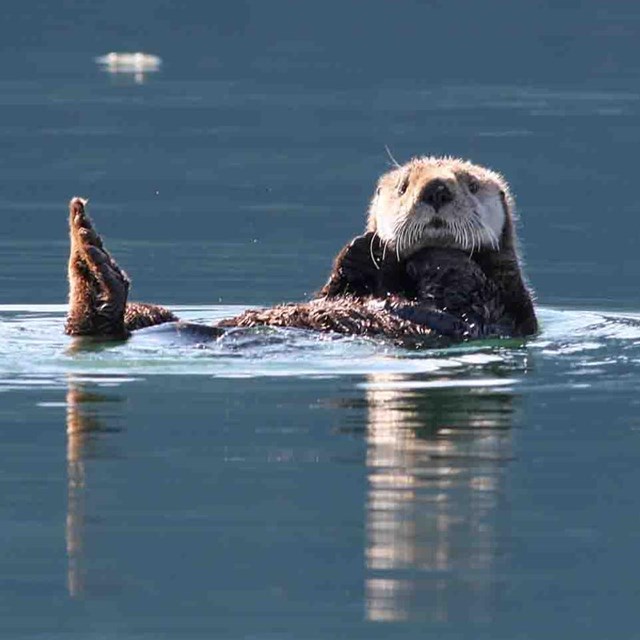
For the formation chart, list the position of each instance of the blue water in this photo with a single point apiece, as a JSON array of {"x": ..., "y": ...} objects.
[{"x": 280, "y": 484}]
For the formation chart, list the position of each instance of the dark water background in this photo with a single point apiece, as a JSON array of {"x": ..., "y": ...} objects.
[{"x": 304, "y": 489}]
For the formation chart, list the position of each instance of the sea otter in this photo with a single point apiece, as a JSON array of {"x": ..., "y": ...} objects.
[{"x": 438, "y": 260}]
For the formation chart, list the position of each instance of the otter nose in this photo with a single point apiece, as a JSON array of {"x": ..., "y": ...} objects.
[{"x": 436, "y": 193}]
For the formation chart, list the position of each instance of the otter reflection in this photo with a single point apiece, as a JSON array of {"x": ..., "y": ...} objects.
[
  {"x": 82, "y": 426},
  {"x": 436, "y": 459}
]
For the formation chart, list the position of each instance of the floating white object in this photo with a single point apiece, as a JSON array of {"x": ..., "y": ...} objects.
[{"x": 134, "y": 63}]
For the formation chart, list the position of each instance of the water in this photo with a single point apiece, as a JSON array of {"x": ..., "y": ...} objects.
[
  {"x": 277, "y": 484},
  {"x": 282, "y": 483}
]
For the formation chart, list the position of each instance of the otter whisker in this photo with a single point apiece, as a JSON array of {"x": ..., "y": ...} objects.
[
  {"x": 463, "y": 233},
  {"x": 373, "y": 258},
  {"x": 401, "y": 231},
  {"x": 398, "y": 240},
  {"x": 490, "y": 234},
  {"x": 472, "y": 235},
  {"x": 476, "y": 238},
  {"x": 479, "y": 229},
  {"x": 456, "y": 231},
  {"x": 393, "y": 160},
  {"x": 495, "y": 241},
  {"x": 407, "y": 240},
  {"x": 384, "y": 248}
]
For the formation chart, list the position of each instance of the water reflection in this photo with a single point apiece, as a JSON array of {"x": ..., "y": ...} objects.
[
  {"x": 436, "y": 459},
  {"x": 83, "y": 424},
  {"x": 435, "y": 463}
]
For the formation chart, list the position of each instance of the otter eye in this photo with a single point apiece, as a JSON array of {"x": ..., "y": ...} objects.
[
  {"x": 403, "y": 186},
  {"x": 474, "y": 186}
]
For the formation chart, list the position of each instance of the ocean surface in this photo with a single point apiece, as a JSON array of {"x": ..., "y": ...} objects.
[{"x": 279, "y": 484}]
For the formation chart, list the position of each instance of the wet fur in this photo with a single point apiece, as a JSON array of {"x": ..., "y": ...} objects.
[
  {"x": 404, "y": 285},
  {"x": 400, "y": 221},
  {"x": 98, "y": 287}
]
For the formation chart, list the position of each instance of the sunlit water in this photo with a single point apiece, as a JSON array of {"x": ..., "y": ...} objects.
[
  {"x": 276, "y": 480},
  {"x": 586, "y": 346}
]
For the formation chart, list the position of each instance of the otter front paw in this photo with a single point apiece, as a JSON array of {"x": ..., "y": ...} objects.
[
  {"x": 365, "y": 268},
  {"x": 360, "y": 264}
]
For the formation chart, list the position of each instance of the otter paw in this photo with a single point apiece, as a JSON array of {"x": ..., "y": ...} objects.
[{"x": 98, "y": 288}]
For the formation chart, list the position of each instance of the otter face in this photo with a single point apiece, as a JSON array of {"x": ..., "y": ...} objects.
[{"x": 440, "y": 202}]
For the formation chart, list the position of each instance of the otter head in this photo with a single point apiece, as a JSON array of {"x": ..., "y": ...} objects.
[{"x": 442, "y": 202}]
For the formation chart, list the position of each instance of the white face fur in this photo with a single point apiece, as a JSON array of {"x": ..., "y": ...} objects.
[{"x": 439, "y": 202}]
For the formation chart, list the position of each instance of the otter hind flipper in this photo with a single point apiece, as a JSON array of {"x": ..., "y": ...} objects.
[
  {"x": 139, "y": 315},
  {"x": 98, "y": 287}
]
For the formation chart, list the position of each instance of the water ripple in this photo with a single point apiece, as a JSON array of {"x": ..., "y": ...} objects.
[{"x": 34, "y": 352}]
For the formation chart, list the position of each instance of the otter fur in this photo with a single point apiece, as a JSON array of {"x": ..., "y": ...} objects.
[{"x": 438, "y": 261}]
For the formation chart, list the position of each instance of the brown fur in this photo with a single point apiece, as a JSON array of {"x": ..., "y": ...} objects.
[
  {"x": 397, "y": 198},
  {"x": 411, "y": 290},
  {"x": 452, "y": 299},
  {"x": 98, "y": 288},
  {"x": 504, "y": 268},
  {"x": 346, "y": 315}
]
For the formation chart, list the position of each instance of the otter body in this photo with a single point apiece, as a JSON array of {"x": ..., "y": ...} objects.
[
  {"x": 438, "y": 261},
  {"x": 437, "y": 293}
]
